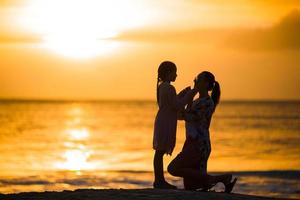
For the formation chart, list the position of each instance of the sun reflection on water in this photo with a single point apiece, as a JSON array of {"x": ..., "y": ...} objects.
[
  {"x": 76, "y": 156},
  {"x": 78, "y": 134},
  {"x": 75, "y": 111},
  {"x": 76, "y": 160}
]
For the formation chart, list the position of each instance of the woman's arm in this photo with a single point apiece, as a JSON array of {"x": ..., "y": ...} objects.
[{"x": 200, "y": 113}]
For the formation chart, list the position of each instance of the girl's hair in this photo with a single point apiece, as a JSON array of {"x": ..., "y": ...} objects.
[
  {"x": 213, "y": 86},
  {"x": 164, "y": 69}
]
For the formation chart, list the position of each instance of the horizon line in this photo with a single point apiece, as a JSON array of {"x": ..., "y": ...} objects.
[{"x": 130, "y": 100}]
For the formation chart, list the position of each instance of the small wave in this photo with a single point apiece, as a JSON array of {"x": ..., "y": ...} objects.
[
  {"x": 257, "y": 117},
  {"x": 23, "y": 182},
  {"x": 290, "y": 174}
]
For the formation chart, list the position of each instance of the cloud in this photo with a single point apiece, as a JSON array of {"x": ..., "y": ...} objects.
[
  {"x": 284, "y": 35},
  {"x": 170, "y": 36},
  {"x": 274, "y": 3}
]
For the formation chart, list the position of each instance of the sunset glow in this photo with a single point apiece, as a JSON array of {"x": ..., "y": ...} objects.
[{"x": 64, "y": 49}]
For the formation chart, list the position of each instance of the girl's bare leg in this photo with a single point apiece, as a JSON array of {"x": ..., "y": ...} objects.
[{"x": 159, "y": 179}]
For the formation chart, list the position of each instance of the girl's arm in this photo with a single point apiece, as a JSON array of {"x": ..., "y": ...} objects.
[
  {"x": 183, "y": 92},
  {"x": 179, "y": 103}
]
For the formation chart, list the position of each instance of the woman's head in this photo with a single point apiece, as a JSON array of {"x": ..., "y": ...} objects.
[
  {"x": 167, "y": 71},
  {"x": 206, "y": 80}
]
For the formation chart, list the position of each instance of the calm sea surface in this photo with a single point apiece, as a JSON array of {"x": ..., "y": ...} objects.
[{"x": 54, "y": 145}]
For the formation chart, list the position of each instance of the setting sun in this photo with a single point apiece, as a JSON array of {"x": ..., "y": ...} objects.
[{"x": 80, "y": 29}]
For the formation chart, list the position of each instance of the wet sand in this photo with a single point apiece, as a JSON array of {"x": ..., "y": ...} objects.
[{"x": 119, "y": 194}]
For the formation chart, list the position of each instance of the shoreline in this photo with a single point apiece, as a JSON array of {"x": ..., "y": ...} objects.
[
  {"x": 280, "y": 184},
  {"x": 118, "y": 194}
]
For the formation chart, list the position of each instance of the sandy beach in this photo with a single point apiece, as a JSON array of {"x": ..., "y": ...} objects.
[{"x": 118, "y": 194}]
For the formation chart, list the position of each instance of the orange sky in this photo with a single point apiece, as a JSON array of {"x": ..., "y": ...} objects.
[{"x": 110, "y": 50}]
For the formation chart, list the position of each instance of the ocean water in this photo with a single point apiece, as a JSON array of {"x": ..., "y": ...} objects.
[{"x": 62, "y": 145}]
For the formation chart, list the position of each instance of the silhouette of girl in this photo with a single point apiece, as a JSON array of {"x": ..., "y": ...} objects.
[
  {"x": 166, "y": 119},
  {"x": 191, "y": 162}
]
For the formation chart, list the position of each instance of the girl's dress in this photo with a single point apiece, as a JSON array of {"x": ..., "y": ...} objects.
[{"x": 165, "y": 125}]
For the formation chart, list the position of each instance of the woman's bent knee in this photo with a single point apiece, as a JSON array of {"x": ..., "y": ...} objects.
[
  {"x": 175, "y": 166},
  {"x": 171, "y": 169},
  {"x": 174, "y": 169}
]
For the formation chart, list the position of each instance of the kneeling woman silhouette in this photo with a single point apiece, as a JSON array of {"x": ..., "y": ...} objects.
[{"x": 191, "y": 162}]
